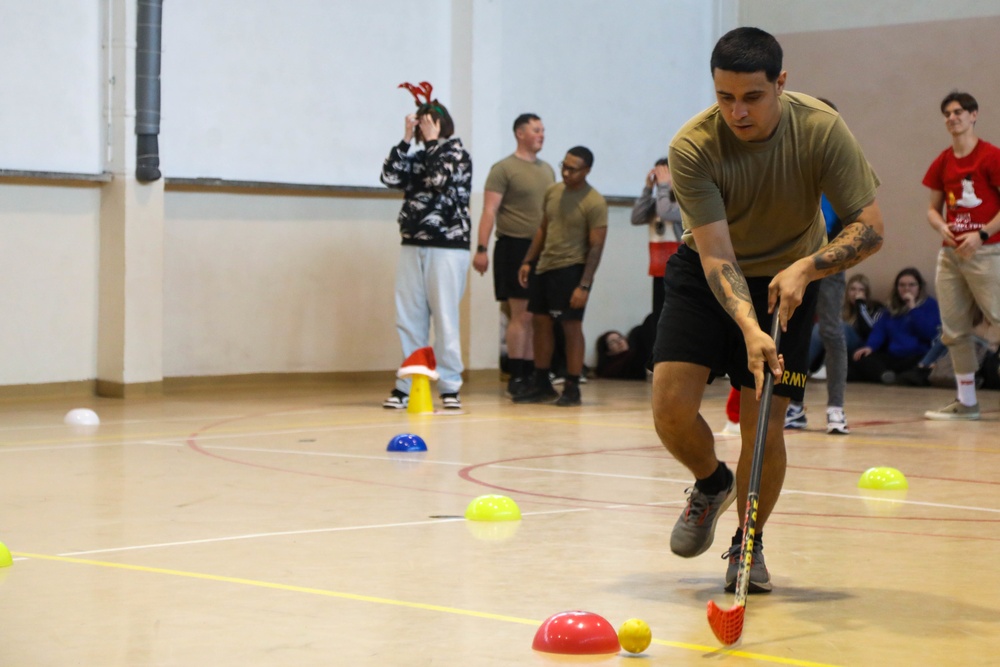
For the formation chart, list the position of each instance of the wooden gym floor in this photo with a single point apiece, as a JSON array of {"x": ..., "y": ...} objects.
[{"x": 270, "y": 526}]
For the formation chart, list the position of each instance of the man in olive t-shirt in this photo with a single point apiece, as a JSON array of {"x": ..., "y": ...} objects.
[
  {"x": 567, "y": 248},
  {"x": 512, "y": 202},
  {"x": 748, "y": 173}
]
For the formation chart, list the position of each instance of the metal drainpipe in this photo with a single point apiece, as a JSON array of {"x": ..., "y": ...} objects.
[{"x": 149, "y": 36}]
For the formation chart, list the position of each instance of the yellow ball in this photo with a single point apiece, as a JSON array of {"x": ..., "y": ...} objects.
[{"x": 635, "y": 636}]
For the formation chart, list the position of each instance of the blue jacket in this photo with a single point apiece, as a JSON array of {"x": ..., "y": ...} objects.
[{"x": 908, "y": 334}]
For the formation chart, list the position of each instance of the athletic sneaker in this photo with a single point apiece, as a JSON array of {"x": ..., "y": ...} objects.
[
  {"x": 819, "y": 373},
  {"x": 795, "y": 416},
  {"x": 954, "y": 411},
  {"x": 554, "y": 379},
  {"x": 517, "y": 386},
  {"x": 836, "y": 421},
  {"x": 451, "y": 401},
  {"x": 535, "y": 394},
  {"x": 760, "y": 580},
  {"x": 731, "y": 428},
  {"x": 695, "y": 528},
  {"x": 397, "y": 400},
  {"x": 570, "y": 396}
]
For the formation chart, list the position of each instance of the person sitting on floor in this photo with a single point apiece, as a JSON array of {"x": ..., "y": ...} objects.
[
  {"x": 899, "y": 340},
  {"x": 626, "y": 358},
  {"x": 860, "y": 312}
]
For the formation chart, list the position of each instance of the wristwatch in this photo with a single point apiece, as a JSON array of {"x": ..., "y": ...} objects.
[
  {"x": 481, "y": 248},
  {"x": 983, "y": 235}
]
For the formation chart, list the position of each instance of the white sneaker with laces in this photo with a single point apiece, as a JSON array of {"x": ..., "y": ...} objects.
[
  {"x": 836, "y": 421},
  {"x": 451, "y": 401}
]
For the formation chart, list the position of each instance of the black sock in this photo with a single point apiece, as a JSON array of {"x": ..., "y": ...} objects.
[
  {"x": 758, "y": 537},
  {"x": 527, "y": 368},
  {"x": 717, "y": 482},
  {"x": 542, "y": 377},
  {"x": 573, "y": 380},
  {"x": 515, "y": 367}
]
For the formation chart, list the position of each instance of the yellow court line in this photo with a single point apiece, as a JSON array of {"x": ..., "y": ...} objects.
[{"x": 400, "y": 603}]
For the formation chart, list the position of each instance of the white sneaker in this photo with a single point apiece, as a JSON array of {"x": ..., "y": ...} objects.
[
  {"x": 836, "y": 421},
  {"x": 731, "y": 428},
  {"x": 820, "y": 373}
]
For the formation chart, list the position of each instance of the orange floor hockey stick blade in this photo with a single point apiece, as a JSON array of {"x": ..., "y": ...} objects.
[{"x": 727, "y": 625}]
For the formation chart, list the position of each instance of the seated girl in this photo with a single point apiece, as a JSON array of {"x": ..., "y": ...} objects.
[{"x": 900, "y": 339}]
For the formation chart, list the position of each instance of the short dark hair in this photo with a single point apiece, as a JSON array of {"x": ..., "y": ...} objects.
[
  {"x": 584, "y": 154},
  {"x": 748, "y": 50},
  {"x": 662, "y": 162},
  {"x": 438, "y": 112},
  {"x": 524, "y": 119},
  {"x": 965, "y": 100}
]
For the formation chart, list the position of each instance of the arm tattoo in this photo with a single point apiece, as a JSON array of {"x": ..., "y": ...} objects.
[
  {"x": 590, "y": 267},
  {"x": 737, "y": 299},
  {"x": 856, "y": 242}
]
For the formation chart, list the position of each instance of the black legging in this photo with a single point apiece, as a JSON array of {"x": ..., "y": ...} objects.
[{"x": 873, "y": 368}]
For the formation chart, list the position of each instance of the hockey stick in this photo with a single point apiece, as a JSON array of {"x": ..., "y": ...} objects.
[{"x": 728, "y": 625}]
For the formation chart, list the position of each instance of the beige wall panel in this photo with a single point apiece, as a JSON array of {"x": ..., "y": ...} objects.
[
  {"x": 888, "y": 83},
  {"x": 48, "y": 246}
]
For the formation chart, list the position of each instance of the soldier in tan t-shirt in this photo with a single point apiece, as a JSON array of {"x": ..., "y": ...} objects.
[
  {"x": 512, "y": 203},
  {"x": 567, "y": 248},
  {"x": 748, "y": 173}
]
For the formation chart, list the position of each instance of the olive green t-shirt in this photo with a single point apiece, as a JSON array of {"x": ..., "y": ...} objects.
[
  {"x": 570, "y": 215},
  {"x": 522, "y": 185},
  {"x": 769, "y": 191}
]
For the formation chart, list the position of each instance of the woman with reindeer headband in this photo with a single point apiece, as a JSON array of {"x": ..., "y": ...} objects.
[{"x": 434, "y": 171}]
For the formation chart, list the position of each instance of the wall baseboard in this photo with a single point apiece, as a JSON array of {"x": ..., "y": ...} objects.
[{"x": 179, "y": 385}]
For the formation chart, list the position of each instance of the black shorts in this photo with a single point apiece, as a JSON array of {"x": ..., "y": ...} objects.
[
  {"x": 508, "y": 255},
  {"x": 549, "y": 292},
  {"x": 695, "y": 328}
]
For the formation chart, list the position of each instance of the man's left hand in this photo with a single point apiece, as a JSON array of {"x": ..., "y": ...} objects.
[{"x": 787, "y": 289}]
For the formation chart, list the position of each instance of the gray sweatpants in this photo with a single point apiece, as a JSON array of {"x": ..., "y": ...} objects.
[{"x": 831, "y": 331}]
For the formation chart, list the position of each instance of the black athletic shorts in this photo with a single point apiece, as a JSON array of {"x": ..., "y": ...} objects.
[
  {"x": 695, "y": 328},
  {"x": 508, "y": 255},
  {"x": 549, "y": 292}
]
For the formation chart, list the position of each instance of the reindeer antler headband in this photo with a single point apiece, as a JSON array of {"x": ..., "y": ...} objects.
[{"x": 424, "y": 89}]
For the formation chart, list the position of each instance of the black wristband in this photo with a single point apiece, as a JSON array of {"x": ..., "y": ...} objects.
[
  {"x": 481, "y": 248},
  {"x": 983, "y": 235}
]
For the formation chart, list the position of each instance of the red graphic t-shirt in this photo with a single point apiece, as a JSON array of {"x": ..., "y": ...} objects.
[{"x": 971, "y": 187}]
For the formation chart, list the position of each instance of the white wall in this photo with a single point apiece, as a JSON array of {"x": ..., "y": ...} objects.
[
  {"x": 303, "y": 91},
  {"x": 258, "y": 284},
  {"x": 48, "y": 267},
  {"x": 51, "y": 117}
]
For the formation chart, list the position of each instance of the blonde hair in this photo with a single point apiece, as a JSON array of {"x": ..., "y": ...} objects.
[{"x": 849, "y": 313}]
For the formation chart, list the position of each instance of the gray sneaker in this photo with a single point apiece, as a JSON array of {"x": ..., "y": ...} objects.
[
  {"x": 954, "y": 411},
  {"x": 695, "y": 528},
  {"x": 760, "y": 579}
]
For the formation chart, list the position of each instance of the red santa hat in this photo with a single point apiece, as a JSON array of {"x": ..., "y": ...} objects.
[{"x": 421, "y": 362}]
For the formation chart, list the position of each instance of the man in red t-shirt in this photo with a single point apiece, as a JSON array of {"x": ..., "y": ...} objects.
[{"x": 965, "y": 209}]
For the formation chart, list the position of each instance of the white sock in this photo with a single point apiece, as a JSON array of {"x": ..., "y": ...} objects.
[{"x": 966, "y": 383}]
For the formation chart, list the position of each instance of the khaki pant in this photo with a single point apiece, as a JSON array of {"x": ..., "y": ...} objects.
[{"x": 963, "y": 287}]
